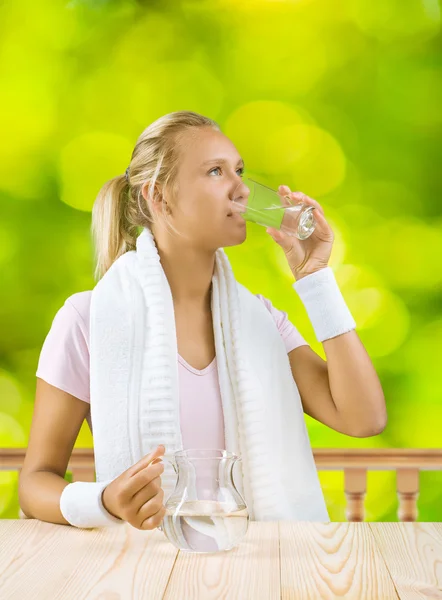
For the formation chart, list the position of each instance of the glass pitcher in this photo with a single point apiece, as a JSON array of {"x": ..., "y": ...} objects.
[{"x": 205, "y": 512}]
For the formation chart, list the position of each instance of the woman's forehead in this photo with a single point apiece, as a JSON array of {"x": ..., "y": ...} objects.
[
  {"x": 206, "y": 139},
  {"x": 206, "y": 147}
]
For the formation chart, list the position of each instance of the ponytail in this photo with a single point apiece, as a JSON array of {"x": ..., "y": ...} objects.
[
  {"x": 112, "y": 233},
  {"x": 120, "y": 211}
]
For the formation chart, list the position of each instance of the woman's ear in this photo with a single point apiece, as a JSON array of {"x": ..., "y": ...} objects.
[{"x": 155, "y": 203}]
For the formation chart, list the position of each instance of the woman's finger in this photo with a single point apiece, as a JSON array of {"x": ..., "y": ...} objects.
[
  {"x": 301, "y": 197},
  {"x": 322, "y": 226},
  {"x": 284, "y": 189},
  {"x": 146, "y": 460},
  {"x": 143, "y": 478},
  {"x": 285, "y": 192}
]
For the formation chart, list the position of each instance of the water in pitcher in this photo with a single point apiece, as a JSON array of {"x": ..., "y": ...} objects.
[{"x": 205, "y": 526}]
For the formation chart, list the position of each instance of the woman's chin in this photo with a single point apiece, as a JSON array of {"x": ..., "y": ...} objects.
[{"x": 236, "y": 238}]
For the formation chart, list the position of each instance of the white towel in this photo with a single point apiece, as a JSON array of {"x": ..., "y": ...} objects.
[{"x": 135, "y": 391}]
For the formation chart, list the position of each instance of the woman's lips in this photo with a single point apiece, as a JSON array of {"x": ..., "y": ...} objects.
[{"x": 236, "y": 217}]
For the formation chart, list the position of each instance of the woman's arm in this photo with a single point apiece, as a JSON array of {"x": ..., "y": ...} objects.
[
  {"x": 343, "y": 392},
  {"x": 57, "y": 419}
]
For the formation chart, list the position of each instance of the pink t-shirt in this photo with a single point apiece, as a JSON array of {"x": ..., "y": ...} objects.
[{"x": 64, "y": 363}]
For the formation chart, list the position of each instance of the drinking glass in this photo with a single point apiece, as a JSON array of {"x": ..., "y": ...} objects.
[{"x": 264, "y": 206}]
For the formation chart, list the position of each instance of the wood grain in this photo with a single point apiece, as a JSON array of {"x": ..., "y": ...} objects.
[
  {"x": 413, "y": 555},
  {"x": 333, "y": 560},
  {"x": 285, "y": 559},
  {"x": 249, "y": 571},
  {"x": 47, "y": 561}
]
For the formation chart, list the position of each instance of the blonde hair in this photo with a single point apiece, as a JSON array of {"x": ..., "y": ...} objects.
[{"x": 120, "y": 210}]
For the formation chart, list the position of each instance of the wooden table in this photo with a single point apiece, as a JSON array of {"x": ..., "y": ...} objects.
[{"x": 287, "y": 559}]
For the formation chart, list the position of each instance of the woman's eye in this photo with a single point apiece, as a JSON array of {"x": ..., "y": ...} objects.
[{"x": 219, "y": 169}]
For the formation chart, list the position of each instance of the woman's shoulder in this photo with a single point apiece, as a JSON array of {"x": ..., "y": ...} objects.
[
  {"x": 269, "y": 305},
  {"x": 64, "y": 357},
  {"x": 289, "y": 332},
  {"x": 81, "y": 303},
  {"x": 72, "y": 318}
]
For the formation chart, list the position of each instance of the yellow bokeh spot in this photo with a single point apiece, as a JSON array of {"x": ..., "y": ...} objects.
[
  {"x": 406, "y": 91},
  {"x": 101, "y": 99},
  {"x": 353, "y": 277},
  {"x": 422, "y": 352},
  {"x": 381, "y": 497},
  {"x": 8, "y": 488},
  {"x": 268, "y": 50},
  {"x": 391, "y": 198},
  {"x": 417, "y": 421},
  {"x": 9, "y": 243},
  {"x": 317, "y": 160},
  {"x": 392, "y": 20},
  {"x": 277, "y": 138},
  {"x": 10, "y": 396},
  {"x": 84, "y": 437},
  {"x": 175, "y": 85},
  {"x": 26, "y": 122},
  {"x": 150, "y": 36},
  {"x": 382, "y": 319},
  {"x": 407, "y": 251},
  {"x": 11, "y": 432},
  {"x": 251, "y": 126},
  {"x": 367, "y": 304},
  {"x": 414, "y": 249},
  {"x": 87, "y": 162},
  {"x": 138, "y": 101},
  {"x": 7, "y": 478},
  {"x": 420, "y": 359},
  {"x": 358, "y": 220}
]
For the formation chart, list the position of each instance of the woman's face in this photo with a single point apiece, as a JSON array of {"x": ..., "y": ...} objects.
[{"x": 208, "y": 180}]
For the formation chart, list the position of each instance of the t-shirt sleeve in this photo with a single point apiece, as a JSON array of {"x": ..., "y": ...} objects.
[
  {"x": 289, "y": 333},
  {"x": 64, "y": 357}
]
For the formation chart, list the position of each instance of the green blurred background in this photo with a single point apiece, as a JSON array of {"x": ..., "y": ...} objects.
[{"x": 341, "y": 100}]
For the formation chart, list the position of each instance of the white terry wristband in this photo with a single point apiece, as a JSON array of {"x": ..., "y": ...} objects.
[
  {"x": 324, "y": 303},
  {"x": 81, "y": 505}
]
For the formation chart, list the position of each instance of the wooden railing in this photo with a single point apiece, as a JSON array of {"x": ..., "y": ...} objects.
[{"x": 355, "y": 462}]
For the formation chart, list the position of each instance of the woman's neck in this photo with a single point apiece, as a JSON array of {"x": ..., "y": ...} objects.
[{"x": 189, "y": 273}]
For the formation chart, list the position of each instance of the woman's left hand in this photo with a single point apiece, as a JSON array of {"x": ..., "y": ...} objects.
[{"x": 309, "y": 255}]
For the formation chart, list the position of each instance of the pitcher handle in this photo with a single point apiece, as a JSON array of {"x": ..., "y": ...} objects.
[{"x": 164, "y": 457}]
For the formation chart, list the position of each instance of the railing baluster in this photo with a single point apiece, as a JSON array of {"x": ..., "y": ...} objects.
[
  {"x": 355, "y": 488},
  {"x": 407, "y": 485},
  {"x": 355, "y": 462}
]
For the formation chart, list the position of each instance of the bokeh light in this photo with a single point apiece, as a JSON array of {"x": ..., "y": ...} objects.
[
  {"x": 338, "y": 100},
  {"x": 87, "y": 162},
  {"x": 394, "y": 22},
  {"x": 10, "y": 395},
  {"x": 11, "y": 432}
]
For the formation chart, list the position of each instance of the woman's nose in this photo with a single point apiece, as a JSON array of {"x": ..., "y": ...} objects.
[{"x": 241, "y": 192}]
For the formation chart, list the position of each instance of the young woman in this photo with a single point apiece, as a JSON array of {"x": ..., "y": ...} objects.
[{"x": 178, "y": 190}]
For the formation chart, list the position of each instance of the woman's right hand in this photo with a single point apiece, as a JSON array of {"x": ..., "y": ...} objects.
[{"x": 136, "y": 495}]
